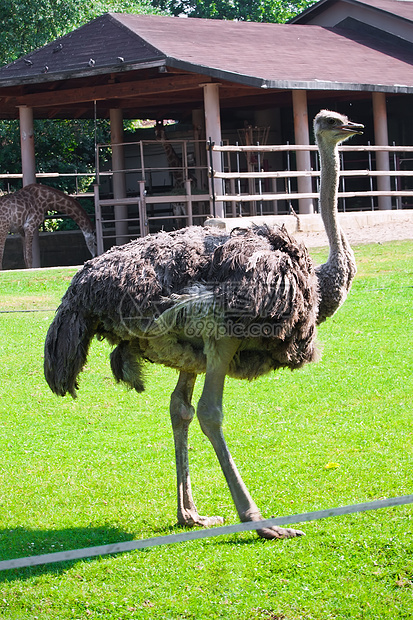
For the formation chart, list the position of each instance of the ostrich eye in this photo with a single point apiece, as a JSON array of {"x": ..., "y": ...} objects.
[{"x": 331, "y": 121}]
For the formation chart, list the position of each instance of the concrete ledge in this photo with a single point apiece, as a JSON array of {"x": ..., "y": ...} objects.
[
  {"x": 64, "y": 248},
  {"x": 356, "y": 220},
  {"x": 229, "y": 223},
  {"x": 313, "y": 223}
]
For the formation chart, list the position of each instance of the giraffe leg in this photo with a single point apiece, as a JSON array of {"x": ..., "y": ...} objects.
[
  {"x": 182, "y": 413},
  {"x": 27, "y": 237},
  {"x": 3, "y": 236},
  {"x": 210, "y": 417}
]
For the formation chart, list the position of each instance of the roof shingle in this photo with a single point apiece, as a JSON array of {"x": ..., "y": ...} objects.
[{"x": 269, "y": 55}]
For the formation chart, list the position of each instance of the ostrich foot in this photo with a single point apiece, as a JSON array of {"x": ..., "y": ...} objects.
[
  {"x": 194, "y": 519},
  {"x": 271, "y": 533}
]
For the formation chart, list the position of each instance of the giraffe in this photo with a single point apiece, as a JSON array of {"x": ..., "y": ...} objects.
[
  {"x": 23, "y": 211},
  {"x": 175, "y": 166}
]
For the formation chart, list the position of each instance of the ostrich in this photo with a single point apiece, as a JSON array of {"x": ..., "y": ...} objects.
[{"x": 202, "y": 300}]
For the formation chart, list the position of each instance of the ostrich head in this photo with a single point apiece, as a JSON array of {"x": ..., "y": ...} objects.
[{"x": 330, "y": 128}]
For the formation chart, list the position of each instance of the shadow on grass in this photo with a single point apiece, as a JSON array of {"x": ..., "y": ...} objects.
[
  {"x": 239, "y": 538},
  {"x": 22, "y": 542}
]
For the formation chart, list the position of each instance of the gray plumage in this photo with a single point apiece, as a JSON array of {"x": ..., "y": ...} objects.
[
  {"x": 162, "y": 296},
  {"x": 200, "y": 300}
]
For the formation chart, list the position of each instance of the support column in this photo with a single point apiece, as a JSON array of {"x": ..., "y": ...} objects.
[
  {"x": 305, "y": 205},
  {"x": 29, "y": 164},
  {"x": 119, "y": 180},
  {"x": 198, "y": 124},
  {"x": 213, "y": 132},
  {"x": 381, "y": 139}
]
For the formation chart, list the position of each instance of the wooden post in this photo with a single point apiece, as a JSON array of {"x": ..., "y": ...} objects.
[
  {"x": 381, "y": 139},
  {"x": 29, "y": 164},
  {"x": 188, "y": 190},
  {"x": 198, "y": 124},
  {"x": 119, "y": 180},
  {"x": 303, "y": 157},
  {"x": 143, "y": 218},
  {"x": 98, "y": 221},
  {"x": 213, "y": 132}
]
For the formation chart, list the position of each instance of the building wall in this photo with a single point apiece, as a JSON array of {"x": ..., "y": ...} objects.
[
  {"x": 333, "y": 15},
  {"x": 56, "y": 249}
]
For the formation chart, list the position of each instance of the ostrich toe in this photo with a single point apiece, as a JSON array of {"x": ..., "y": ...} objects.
[
  {"x": 193, "y": 520},
  {"x": 279, "y": 532}
]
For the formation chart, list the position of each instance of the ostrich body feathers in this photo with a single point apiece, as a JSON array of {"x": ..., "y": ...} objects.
[{"x": 167, "y": 298}]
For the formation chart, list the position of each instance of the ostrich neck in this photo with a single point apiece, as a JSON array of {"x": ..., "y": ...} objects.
[
  {"x": 330, "y": 166},
  {"x": 336, "y": 274}
]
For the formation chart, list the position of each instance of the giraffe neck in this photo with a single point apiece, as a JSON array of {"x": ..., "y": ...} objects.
[
  {"x": 51, "y": 199},
  {"x": 23, "y": 212},
  {"x": 174, "y": 161},
  {"x": 55, "y": 200},
  {"x": 175, "y": 164}
]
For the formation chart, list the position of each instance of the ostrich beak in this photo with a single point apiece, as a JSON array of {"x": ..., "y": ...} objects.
[{"x": 353, "y": 128}]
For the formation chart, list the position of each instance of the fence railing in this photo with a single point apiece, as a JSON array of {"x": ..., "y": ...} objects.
[
  {"x": 249, "y": 180},
  {"x": 233, "y": 191},
  {"x": 166, "y": 185},
  {"x": 56, "y": 175}
]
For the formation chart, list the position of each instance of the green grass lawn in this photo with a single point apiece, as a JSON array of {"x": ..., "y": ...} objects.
[{"x": 101, "y": 469}]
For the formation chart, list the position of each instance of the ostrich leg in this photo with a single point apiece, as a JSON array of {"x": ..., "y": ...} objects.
[
  {"x": 210, "y": 417},
  {"x": 182, "y": 413}
]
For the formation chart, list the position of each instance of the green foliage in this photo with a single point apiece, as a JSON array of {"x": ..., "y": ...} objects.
[
  {"x": 100, "y": 470},
  {"x": 27, "y": 25},
  {"x": 242, "y": 10},
  {"x": 64, "y": 146}
]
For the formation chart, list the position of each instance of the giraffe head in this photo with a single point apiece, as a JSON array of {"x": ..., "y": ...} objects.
[
  {"x": 160, "y": 130},
  {"x": 90, "y": 239}
]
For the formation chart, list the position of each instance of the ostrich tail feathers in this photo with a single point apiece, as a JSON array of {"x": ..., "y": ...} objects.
[{"x": 66, "y": 348}]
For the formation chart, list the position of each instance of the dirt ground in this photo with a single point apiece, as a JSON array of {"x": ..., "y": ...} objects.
[{"x": 379, "y": 233}]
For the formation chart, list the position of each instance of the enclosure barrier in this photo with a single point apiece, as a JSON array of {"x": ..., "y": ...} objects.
[
  {"x": 247, "y": 188},
  {"x": 255, "y": 178},
  {"x": 88, "y": 552},
  {"x": 393, "y": 183},
  {"x": 253, "y": 192},
  {"x": 56, "y": 175}
]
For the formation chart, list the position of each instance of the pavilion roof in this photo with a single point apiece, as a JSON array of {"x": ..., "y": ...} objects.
[{"x": 262, "y": 57}]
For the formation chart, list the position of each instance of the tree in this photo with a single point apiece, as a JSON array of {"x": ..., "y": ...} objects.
[
  {"x": 242, "y": 10},
  {"x": 26, "y": 25},
  {"x": 66, "y": 145}
]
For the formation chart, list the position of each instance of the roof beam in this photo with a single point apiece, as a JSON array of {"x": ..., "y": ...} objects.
[{"x": 101, "y": 92}]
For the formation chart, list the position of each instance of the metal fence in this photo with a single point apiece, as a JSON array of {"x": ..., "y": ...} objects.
[
  {"x": 156, "y": 193},
  {"x": 363, "y": 183}
]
